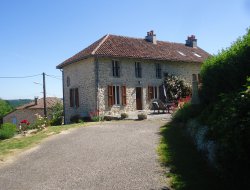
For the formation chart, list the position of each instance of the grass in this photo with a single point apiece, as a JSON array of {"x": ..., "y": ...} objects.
[
  {"x": 13, "y": 145},
  {"x": 188, "y": 169}
]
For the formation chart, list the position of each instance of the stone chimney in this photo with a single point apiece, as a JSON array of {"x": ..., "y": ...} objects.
[
  {"x": 35, "y": 100},
  {"x": 191, "y": 41},
  {"x": 151, "y": 37}
]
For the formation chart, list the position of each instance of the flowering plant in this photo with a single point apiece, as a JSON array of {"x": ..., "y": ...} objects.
[
  {"x": 24, "y": 125},
  {"x": 40, "y": 123}
]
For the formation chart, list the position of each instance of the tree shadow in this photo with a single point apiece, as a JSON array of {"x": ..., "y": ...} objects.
[{"x": 188, "y": 168}]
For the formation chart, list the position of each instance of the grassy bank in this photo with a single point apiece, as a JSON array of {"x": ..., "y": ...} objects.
[
  {"x": 188, "y": 169},
  {"x": 13, "y": 145}
]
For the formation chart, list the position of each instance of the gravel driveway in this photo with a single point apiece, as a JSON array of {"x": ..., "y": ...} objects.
[{"x": 110, "y": 155}]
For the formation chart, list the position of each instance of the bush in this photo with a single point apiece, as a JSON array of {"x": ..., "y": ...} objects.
[
  {"x": 142, "y": 116},
  {"x": 187, "y": 112},
  {"x": 40, "y": 123},
  {"x": 176, "y": 88},
  {"x": 229, "y": 127},
  {"x": 97, "y": 118},
  {"x": 227, "y": 71},
  {"x": 75, "y": 118},
  {"x": 7, "y": 131},
  {"x": 56, "y": 114},
  {"x": 124, "y": 115}
]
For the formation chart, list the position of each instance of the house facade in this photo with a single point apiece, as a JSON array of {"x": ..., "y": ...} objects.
[
  {"x": 120, "y": 74},
  {"x": 29, "y": 111}
]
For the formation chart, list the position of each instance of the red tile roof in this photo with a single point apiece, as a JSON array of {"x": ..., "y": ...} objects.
[
  {"x": 50, "y": 102},
  {"x": 121, "y": 46}
]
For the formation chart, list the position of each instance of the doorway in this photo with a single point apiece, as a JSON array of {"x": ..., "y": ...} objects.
[{"x": 139, "y": 98}]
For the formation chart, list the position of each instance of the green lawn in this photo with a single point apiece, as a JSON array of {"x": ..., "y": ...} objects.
[
  {"x": 10, "y": 146},
  {"x": 188, "y": 169}
]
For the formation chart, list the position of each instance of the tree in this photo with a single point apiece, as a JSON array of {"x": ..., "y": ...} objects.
[
  {"x": 4, "y": 108},
  {"x": 56, "y": 114}
]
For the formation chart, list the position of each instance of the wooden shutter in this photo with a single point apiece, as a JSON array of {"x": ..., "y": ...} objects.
[
  {"x": 124, "y": 98},
  {"x": 150, "y": 92},
  {"x": 71, "y": 96},
  {"x": 199, "y": 78},
  {"x": 76, "y": 97},
  {"x": 110, "y": 96}
]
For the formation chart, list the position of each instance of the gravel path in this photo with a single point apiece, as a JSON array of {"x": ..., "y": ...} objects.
[{"x": 110, "y": 155}]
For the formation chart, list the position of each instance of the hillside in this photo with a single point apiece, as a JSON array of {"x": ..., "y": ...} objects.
[{"x": 18, "y": 102}]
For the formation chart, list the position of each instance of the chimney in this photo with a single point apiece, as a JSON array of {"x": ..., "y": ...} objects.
[
  {"x": 191, "y": 41},
  {"x": 151, "y": 37},
  {"x": 35, "y": 100}
]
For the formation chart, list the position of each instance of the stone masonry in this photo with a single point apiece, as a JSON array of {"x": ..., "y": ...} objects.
[{"x": 82, "y": 75}]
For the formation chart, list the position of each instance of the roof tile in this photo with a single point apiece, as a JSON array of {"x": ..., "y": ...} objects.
[{"x": 121, "y": 46}]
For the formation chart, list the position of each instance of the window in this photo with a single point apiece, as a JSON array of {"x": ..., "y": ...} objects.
[
  {"x": 152, "y": 92},
  {"x": 74, "y": 97},
  {"x": 68, "y": 81},
  {"x": 116, "y": 95},
  {"x": 116, "y": 92},
  {"x": 116, "y": 68},
  {"x": 137, "y": 69},
  {"x": 158, "y": 70}
]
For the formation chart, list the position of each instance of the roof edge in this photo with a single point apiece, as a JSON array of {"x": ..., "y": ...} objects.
[{"x": 99, "y": 45}]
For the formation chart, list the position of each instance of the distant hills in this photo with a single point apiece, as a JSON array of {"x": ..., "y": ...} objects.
[{"x": 18, "y": 102}]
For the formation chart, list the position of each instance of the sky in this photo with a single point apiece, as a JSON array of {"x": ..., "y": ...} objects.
[{"x": 37, "y": 35}]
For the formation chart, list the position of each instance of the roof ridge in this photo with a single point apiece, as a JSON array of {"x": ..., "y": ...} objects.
[
  {"x": 97, "y": 47},
  {"x": 138, "y": 38}
]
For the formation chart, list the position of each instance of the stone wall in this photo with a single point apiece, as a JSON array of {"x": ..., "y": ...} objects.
[
  {"x": 80, "y": 75},
  {"x": 184, "y": 70}
]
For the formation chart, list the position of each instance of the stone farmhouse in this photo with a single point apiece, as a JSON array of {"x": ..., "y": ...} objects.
[
  {"x": 29, "y": 110},
  {"x": 118, "y": 74}
]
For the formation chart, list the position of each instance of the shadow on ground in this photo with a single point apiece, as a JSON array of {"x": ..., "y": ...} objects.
[{"x": 188, "y": 169}]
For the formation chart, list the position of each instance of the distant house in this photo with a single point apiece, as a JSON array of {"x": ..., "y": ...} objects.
[
  {"x": 29, "y": 110},
  {"x": 117, "y": 74}
]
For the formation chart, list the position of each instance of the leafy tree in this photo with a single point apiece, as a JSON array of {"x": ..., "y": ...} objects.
[
  {"x": 56, "y": 114},
  {"x": 4, "y": 108}
]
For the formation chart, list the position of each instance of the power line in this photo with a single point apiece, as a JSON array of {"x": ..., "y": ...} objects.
[
  {"x": 12, "y": 77},
  {"x": 55, "y": 77}
]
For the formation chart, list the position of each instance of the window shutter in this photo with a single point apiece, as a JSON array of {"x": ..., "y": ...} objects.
[
  {"x": 199, "y": 78},
  {"x": 76, "y": 98},
  {"x": 124, "y": 98},
  {"x": 71, "y": 96},
  {"x": 110, "y": 96},
  {"x": 150, "y": 93}
]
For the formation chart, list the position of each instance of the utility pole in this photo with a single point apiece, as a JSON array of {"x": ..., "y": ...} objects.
[{"x": 44, "y": 96}]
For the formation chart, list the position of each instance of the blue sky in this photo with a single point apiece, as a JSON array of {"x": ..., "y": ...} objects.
[{"x": 37, "y": 35}]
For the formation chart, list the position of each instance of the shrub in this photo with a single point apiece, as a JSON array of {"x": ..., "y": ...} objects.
[
  {"x": 56, "y": 114},
  {"x": 97, "y": 118},
  {"x": 7, "y": 131},
  {"x": 142, "y": 116},
  {"x": 176, "y": 88},
  {"x": 124, "y": 115},
  {"x": 229, "y": 127},
  {"x": 40, "y": 123},
  {"x": 227, "y": 71},
  {"x": 75, "y": 118},
  {"x": 187, "y": 112}
]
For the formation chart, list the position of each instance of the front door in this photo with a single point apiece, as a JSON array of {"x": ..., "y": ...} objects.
[{"x": 138, "y": 98}]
